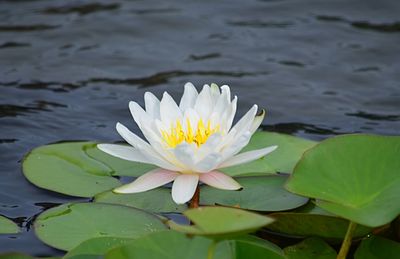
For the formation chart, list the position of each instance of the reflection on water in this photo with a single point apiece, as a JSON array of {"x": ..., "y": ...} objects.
[{"x": 69, "y": 68}]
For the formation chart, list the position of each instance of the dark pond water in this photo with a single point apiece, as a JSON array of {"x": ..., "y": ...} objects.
[{"x": 69, "y": 68}]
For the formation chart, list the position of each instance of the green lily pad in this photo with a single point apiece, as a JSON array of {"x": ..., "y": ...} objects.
[
  {"x": 249, "y": 247},
  {"x": 259, "y": 193},
  {"x": 310, "y": 248},
  {"x": 8, "y": 226},
  {"x": 95, "y": 247},
  {"x": 164, "y": 244},
  {"x": 308, "y": 225},
  {"x": 77, "y": 168},
  {"x": 376, "y": 247},
  {"x": 66, "y": 226},
  {"x": 221, "y": 222},
  {"x": 156, "y": 200},
  {"x": 354, "y": 176},
  {"x": 172, "y": 245},
  {"x": 283, "y": 159}
]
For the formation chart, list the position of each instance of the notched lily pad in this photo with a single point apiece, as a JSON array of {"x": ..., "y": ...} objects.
[
  {"x": 77, "y": 168},
  {"x": 68, "y": 225},
  {"x": 221, "y": 222},
  {"x": 283, "y": 159},
  {"x": 156, "y": 200},
  {"x": 259, "y": 193},
  {"x": 7, "y": 226},
  {"x": 354, "y": 176}
]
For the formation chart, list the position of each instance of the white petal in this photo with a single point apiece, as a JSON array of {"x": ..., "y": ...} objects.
[
  {"x": 144, "y": 147},
  {"x": 138, "y": 114},
  {"x": 169, "y": 110},
  {"x": 124, "y": 152},
  {"x": 230, "y": 115},
  {"x": 184, "y": 187},
  {"x": 247, "y": 156},
  {"x": 148, "y": 181},
  {"x": 245, "y": 122},
  {"x": 257, "y": 121},
  {"x": 185, "y": 153},
  {"x": 204, "y": 103},
  {"x": 152, "y": 105},
  {"x": 220, "y": 181},
  {"x": 236, "y": 145},
  {"x": 189, "y": 97},
  {"x": 208, "y": 163},
  {"x": 214, "y": 92}
]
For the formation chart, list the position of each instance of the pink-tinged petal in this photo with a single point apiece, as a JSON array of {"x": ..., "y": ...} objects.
[
  {"x": 153, "y": 179},
  {"x": 184, "y": 187},
  {"x": 247, "y": 156},
  {"x": 220, "y": 181}
]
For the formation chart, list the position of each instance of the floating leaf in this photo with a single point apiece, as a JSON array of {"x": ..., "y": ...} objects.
[
  {"x": 77, "y": 168},
  {"x": 95, "y": 247},
  {"x": 307, "y": 225},
  {"x": 173, "y": 245},
  {"x": 354, "y": 176},
  {"x": 259, "y": 193},
  {"x": 156, "y": 200},
  {"x": 249, "y": 247},
  {"x": 68, "y": 225},
  {"x": 164, "y": 244},
  {"x": 221, "y": 222},
  {"x": 8, "y": 226},
  {"x": 283, "y": 159},
  {"x": 376, "y": 247},
  {"x": 310, "y": 248}
]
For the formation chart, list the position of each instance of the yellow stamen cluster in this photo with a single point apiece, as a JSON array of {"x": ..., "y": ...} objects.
[{"x": 177, "y": 134}]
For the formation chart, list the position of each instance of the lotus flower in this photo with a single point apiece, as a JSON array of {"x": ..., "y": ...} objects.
[{"x": 188, "y": 142}]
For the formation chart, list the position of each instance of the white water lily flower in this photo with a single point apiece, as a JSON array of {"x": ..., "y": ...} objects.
[{"x": 189, "y": 142}]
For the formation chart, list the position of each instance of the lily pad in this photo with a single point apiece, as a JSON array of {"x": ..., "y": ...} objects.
[
  {"x": 249, "y": 247},
  {"x": 68, "y": 225},
  {"x": 95, "y": 247},
  {"x": 376, "y": 247},
  {"x": 77, "y": 168},
  {"x": 164, "y": 244},
  {"x": 283, "y": 159},
  {"x": 172, "y": 245},
  {"x": 259, "y": 193},
  {"x": 307, "y": 225},
  {"x": 310, "y": 248},
  {"x": 221, "y": 222},
  {"x": 156, "y": 200},
  {"x": 8, "y": 226},
  {"x": 354, "y": 176}
]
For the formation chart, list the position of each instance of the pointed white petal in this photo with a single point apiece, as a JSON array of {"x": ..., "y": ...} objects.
[
  {"x": 189, "y": 97},
  {"x": 148, "y": 181},
  {"x": 145, "y": 148},
  {"x": 214, "y": 92},
  {"x": 247, "y": 156},
  {"x": 169, "y": 110},
  {"x": 245, "y": 122},
  {"x": 185, "y": 153},
  {"x": 220, "y": 181},
  {"x": 152, "y": 105},
  {"x": 184, "y": 187},
  {"x": 138, "y": 114},
  {"x": 236, "y": 145},
  {"x": 257, "y": 121},
  {"x": 204, "y": 103},
  {"x": 124, "y": 152},
  {"x": 230, "y": 115},
  {"x": 208, "y": 163}
]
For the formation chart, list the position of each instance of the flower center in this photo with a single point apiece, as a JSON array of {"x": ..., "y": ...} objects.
[{"x": 177, "y": 134}]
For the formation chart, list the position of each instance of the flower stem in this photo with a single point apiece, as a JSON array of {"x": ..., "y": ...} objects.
[
  {"x": 344, "y": 249},
  {"x": 211, "y": 249},
  {"x": 194, "y": 203}
]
